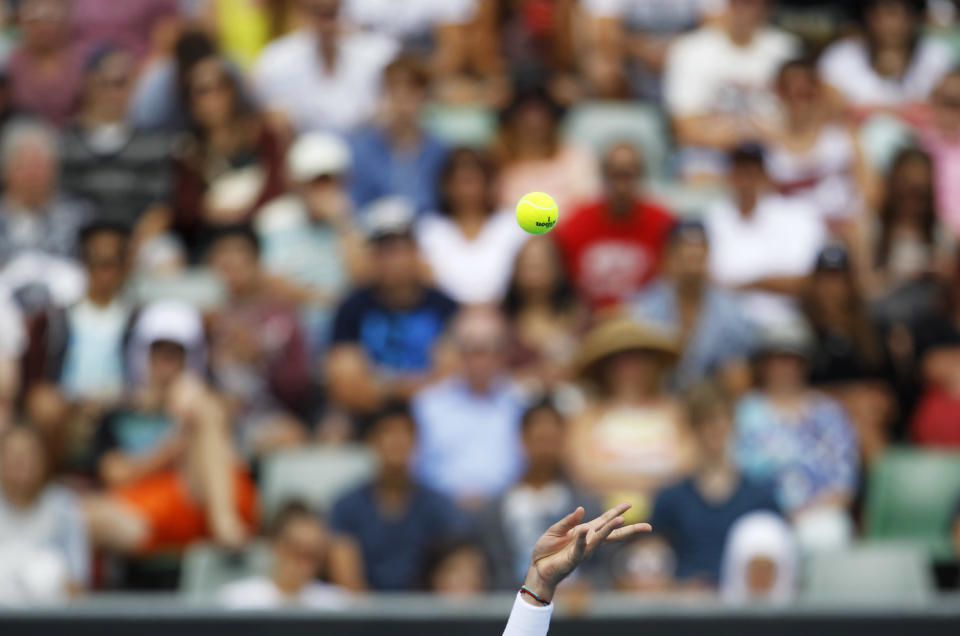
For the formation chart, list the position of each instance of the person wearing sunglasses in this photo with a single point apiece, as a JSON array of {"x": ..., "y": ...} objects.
[
  {"x": 122, "y": 170},
  {"x": 475, "y": 455}
]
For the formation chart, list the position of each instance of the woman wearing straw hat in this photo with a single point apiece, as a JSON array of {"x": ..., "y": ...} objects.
[{"x": 633, "y": 437}]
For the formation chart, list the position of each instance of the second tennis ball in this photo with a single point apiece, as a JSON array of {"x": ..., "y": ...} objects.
[{"x": 537, "y": 212}]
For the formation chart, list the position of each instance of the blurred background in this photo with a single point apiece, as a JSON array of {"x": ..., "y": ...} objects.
[{"x": 270, "y": 337}]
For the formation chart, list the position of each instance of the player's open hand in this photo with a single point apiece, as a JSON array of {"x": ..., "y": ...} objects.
[{"x": 569, "y": 541}]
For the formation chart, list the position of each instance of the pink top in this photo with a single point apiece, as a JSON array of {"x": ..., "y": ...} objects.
[
  {"x": 52, "y": 93},
  {"x": 128, "y": 25},
  {"x": 570, "y": 178},
  {"x": 945, "y": 153}
]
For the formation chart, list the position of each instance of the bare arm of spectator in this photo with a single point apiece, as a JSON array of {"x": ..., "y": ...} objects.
[
  {"x": 118, "y": 468},
  {"x": 356, "y": 386},
  {"x": 13, "y": 345},
  {"x": 791, "y": 285},
  {"x": 564, "y": 546},
  {"x": 484, "y": 42},
  {"x": 709, "y": 131},
  {"x": 607, "y": 37},
  {"x": 866, "y": 178},
  {"x": 450, "y": 53},
  {"x": 346, "y": 567},
  {"x": 9, "y": 388}
]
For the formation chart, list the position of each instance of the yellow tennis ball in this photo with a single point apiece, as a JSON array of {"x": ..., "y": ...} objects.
[{"x": 537, "y": 212}]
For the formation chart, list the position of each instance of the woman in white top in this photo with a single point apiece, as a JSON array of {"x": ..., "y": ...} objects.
[
  {"x": 469, "y": 244},
  {"x": 564, "y": 546},
  {"x": 891, "y": 66},
  {"x": 810, "y": 154}
]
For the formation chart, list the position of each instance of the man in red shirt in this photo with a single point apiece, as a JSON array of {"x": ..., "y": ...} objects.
[{"x": 612, "y": 247}]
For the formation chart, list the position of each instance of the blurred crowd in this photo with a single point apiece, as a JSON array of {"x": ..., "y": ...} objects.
[{"x": 234, "y": 232}]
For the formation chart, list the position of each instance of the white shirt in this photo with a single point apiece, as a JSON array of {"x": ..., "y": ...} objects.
[
  {"x": 845, "y": 65},
  {"x": 42, "y": 548},
  {"x": 528, "y": 620},
  {"x": 93, "y": 360},
  {"x": 781, "y": 238},
  {"x": 824, "y": 174},
  {"x": 289, "y": 76},
  {"x": 471, "y": 270},
  {"x": 706, "y": 72},
  {"x": 477, "y": 452},
  {"x": 410, "y": 18},
  {"x": 261, "y": 593}
]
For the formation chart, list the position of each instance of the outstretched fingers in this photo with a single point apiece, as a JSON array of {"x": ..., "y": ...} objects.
[
  {"x": 627, "y": 531},
  {"x": 565, "y": 525},
  {"x": 605, "y": 518},
  {"x": 600, "y": 534}
]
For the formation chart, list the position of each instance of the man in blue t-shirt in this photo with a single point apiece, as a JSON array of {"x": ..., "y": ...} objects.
[
  {"x": 694, "y": 515},
  {"x": 393, "y": 521},
  {"x": 383, "y": 339}
]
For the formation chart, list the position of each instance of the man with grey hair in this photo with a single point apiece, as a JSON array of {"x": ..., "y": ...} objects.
[
  {"x": 39, "y": 228},
  {"x": 469, "y": 424}
]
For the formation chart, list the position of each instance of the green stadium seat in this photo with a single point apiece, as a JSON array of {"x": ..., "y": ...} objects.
[
  {"x": 197, "y": 286},
  {"x": 899, "y": 574},
  {"x": 461, "y": 125},
  {"x": 911, "y": 497},
  {"x": 596, "y": 125},
  {"x": 207, "y": 568},
  {"x": 685, "y": 201},
  {"x": 316, "y": 475},
  {"x": 882, "y": 137}
]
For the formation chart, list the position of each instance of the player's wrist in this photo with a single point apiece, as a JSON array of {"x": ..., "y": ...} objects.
[{"x": 544, "y": 590}]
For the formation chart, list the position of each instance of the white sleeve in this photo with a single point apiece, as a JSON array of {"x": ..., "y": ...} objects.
[
  {"x": 528, "y": 620},
  {"x": 686, "y": 90}
]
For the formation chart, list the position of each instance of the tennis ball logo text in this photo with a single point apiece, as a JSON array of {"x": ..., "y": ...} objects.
[{"x": 549, "y": 223}]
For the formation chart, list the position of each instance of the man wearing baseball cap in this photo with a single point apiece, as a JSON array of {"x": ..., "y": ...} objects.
[
  {"x": 384, "y": 335},
  {"x": 309, "y": 241}
]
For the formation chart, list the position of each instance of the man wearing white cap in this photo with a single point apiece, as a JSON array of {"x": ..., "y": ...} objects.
[{"x": 308, "y": 239}]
